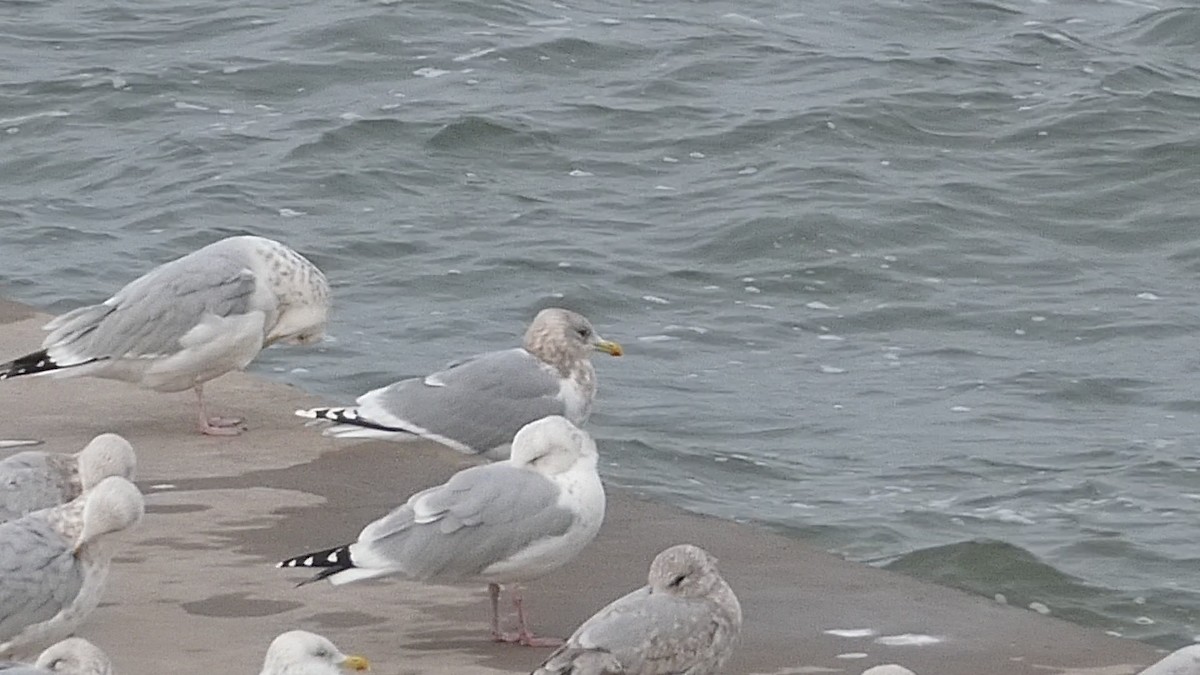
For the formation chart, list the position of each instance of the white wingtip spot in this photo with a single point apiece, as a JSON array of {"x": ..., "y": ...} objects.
[
  {"x": 308, "y": 562},
  {"x": 332, "y": 557},
  {"x": 310, "y": 414}
]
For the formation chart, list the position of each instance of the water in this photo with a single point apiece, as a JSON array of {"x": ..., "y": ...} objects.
[{"x": 914, "y": 281}]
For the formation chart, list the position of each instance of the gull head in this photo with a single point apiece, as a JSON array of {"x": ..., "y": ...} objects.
[
  {"x": 106, "y": 455},
  {"x": 301, "y": 324},
  {"x": 684, "y": 570},
  {"x": 75, "y": 656},
  {"x": 113, "y": 505},
  {"x": 562, "y": 337},
  {"x": 552, "y": 445},
  {"x": 299, "y": 652}
]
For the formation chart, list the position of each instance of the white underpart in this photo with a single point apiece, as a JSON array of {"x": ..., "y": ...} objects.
[{"x": 582, "y": 494}]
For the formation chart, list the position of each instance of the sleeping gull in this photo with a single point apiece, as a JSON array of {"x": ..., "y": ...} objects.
[
  {"x": 188, "y": 321},
  {"x": 1185, "y": 661},
  {"x": 55, "y": 562},
  {"x": 73, "y": 656},
  {"x": 503, "y": 523},
  {"x": 685, "y": 620},
  {"x": 476, "y": 405},
  {"x": 34, "y": 480},
  {"x": 299, "y": 652}
]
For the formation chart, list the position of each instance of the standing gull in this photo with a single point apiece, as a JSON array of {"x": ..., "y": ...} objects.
[
  {"x": 34, "y": 480},
  {"x": 503, "y": 523},
  {"x": 685, "y": 620},
  {"x": 299, "y": 652},
  {"x": 188, "y": 321},
  {"x": 477, "y": 404},
  {"x": 55, "y": 562}
]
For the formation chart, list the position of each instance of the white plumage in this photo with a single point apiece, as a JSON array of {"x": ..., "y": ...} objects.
[
  {"x": 504, "y": 523},
  {"x": 299, "y": 652}
]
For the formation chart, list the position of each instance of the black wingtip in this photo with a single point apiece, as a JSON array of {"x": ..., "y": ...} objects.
[
  {"x": 349, "y": 416},
  {"x": 36, "y": 363},
  {"x": 331, "y": 560},
  {"x": 30, "y": 364}
]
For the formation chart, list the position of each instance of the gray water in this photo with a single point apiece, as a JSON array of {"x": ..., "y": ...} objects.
[{"x": 914, "y": 281}]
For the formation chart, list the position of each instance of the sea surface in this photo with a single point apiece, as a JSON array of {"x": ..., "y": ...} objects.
[{"x": 915, "y": 281}]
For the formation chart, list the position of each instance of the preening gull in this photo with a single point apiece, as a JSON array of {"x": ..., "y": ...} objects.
[
  {"x": 503, "y": 523},
  {"x": 685, "y": 620},
  {"x": 34, "y": 480},
  {"x": 55, "y": 562},
  {"x": 299, "y": 652},
  {"x": 188, "y": 321},
  {"x": 1185, "y": 661},
  {"x": 477, "y": 404}
]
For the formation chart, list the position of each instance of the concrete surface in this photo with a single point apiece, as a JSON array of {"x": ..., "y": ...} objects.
[{"x": 194, "y": 589}]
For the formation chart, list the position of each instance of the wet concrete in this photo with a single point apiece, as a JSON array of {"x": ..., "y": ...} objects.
[{"x": 195, "y": 587}]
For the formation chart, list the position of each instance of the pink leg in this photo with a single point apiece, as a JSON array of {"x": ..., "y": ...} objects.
[
  {"x": 523, "y": 636},
  {"x": 215, "y": 426}
]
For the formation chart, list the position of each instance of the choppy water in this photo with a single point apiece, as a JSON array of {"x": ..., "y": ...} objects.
[{"x": 914, "y": 280}]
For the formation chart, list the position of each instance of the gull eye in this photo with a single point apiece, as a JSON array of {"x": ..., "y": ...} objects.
[
  {"x": 677, "y": 581},
  {"x": 584, "y": 332},
  {"x": 322, "y": 652}
]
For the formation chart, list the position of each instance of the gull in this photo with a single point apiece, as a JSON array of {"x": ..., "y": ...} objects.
[
  {"x": 33, "y": 480},
  {"x": 504, "y": 523},
  {"x": 477, "y": 404},
  {"x": 1184, "y": 661},
  {"x": 299, "y": 652},
  {"x": 685, "y": 620},
  {"x": 73, "y": 656},
  {"x": 188, "y": 321},
  {"x": 55, "y": 563}
]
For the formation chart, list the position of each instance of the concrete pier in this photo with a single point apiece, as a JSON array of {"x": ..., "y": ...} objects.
[{"x": 195, "y": 592}]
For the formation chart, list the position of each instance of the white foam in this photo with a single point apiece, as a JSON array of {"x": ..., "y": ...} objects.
[
  {"x": 430, "y": 72},
  {"x": 656, "y": 300},
  {"x": 908, "y": 640},
  {"x": 475, "y": 54},
  {"x": 851, "y": 632},
  {"x": 579, "y": 173}
]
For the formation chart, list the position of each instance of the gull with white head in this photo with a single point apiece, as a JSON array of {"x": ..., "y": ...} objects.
[
  {"x": 189, "y": 321},
  {"x": 299, "y": 652},
  {"x": 503, "y": 523},
  {"x": 33, "y": 479},
  {"x": 73, "y": 656},
  {"x": 477, "y": 404},
  {"x": 685, "y": 620},
  {"x": 56, "y": 561}
]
